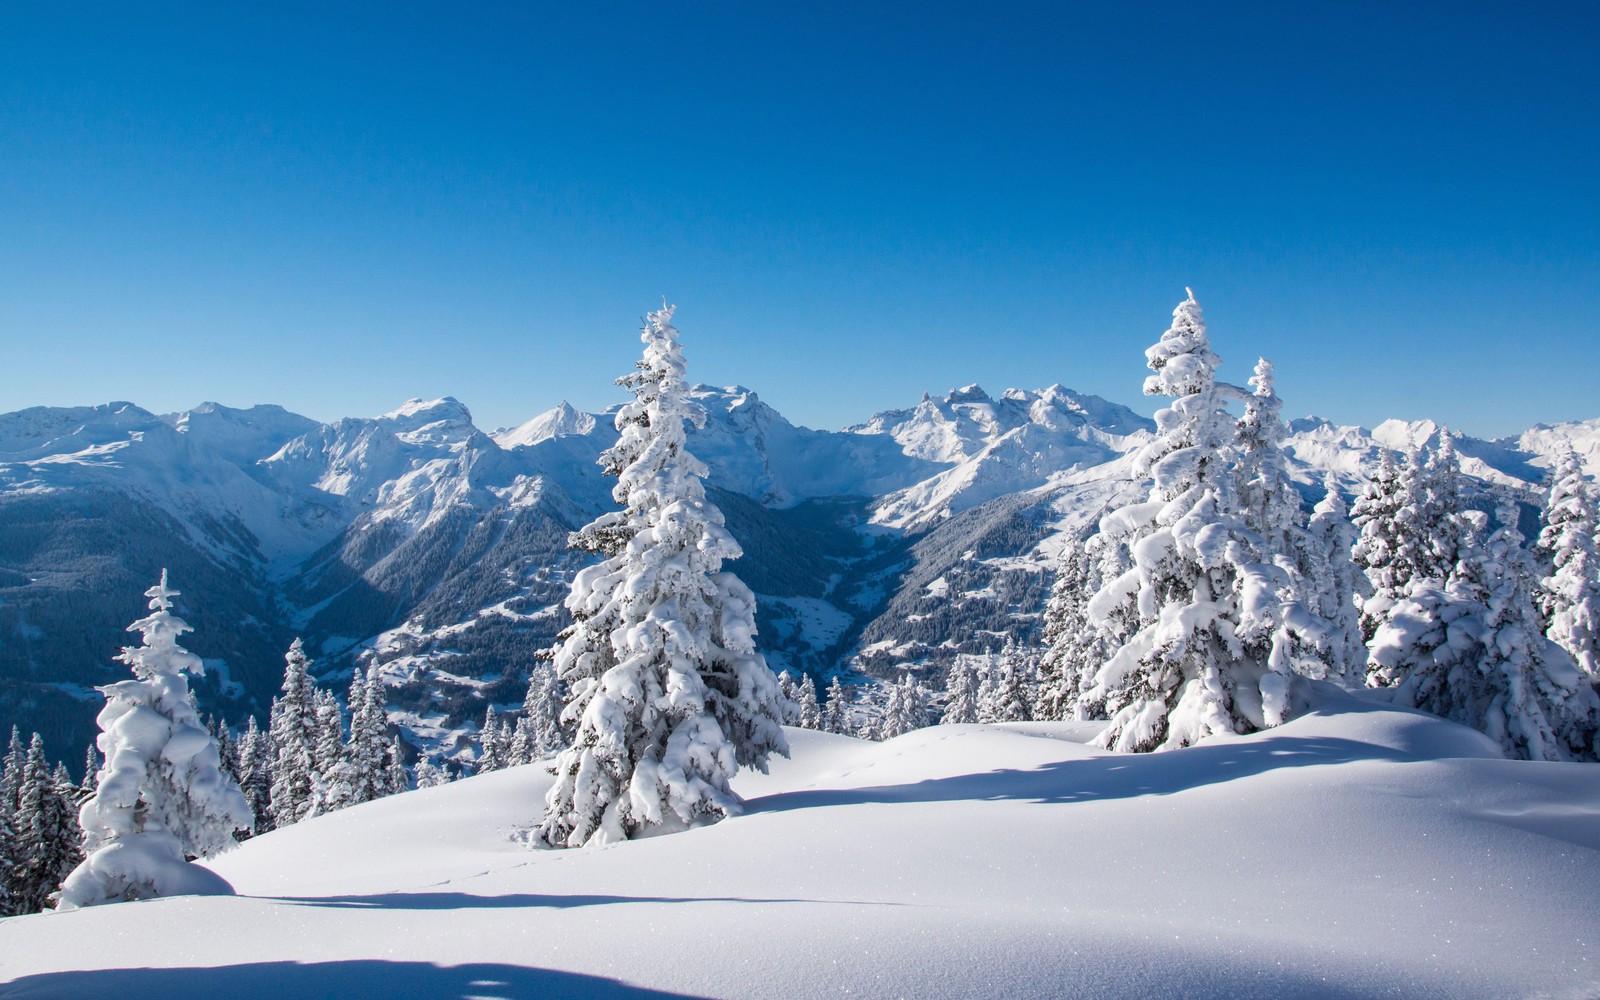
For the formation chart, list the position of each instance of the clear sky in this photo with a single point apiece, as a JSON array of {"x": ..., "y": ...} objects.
[{"x": 336, "y": 207}]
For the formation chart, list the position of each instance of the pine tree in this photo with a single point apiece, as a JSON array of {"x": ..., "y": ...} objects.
[
  {"x": 1075, "y": 648},
  {"x": 1337, "y": 585},
  {"x": 961, "y": 688},
  {"x": 47, "y": 833},
  {"x": 1469, "y": 649},
  {"x": 255, "y": 770},
  {"x": 1200, "y": 621},
  {"x": 162, "y": 794},
  {"x": 493, "y": 743},
  {"x": 1378, "y": 544},
  {"x": 1007, "y": 692},
  {"x": 396, "y": 779},
  {"x": 293, "y": 736},
  {"x": 12, "y": 876},
  {"x": 369, "y": 736},
  {"x": 332, "y": 782},
  {"x": 540, "y": 729},
  {"x": 430, "y": 775},
  {"x": 836, "y": 715},
  {"x": 668, "y": 692},
  {"x": 91, "y": 769},
  {"x": 1570, "y": 596},
  {"x": 809, "y": 715}
]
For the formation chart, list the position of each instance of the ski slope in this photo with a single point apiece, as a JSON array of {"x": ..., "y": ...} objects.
[{"x": 1357, "y": 852}]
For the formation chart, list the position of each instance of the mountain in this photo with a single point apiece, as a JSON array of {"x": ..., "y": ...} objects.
[
  {"x": 1358, "y": 851},
  {"x": 417, "y": 541}
]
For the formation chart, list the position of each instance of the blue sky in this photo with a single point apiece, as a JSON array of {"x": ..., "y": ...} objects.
[{"x": 851, "y": 203}]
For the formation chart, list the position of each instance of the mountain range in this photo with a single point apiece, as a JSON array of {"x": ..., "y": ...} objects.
[{"x": 439, "y": 550}]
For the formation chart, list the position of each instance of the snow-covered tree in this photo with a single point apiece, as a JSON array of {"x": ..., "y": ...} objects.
[
  {"x": 668, "y": 692},
  {"x": 47, "y": 832},
  {"x": 255, "y": 774},
  {"x": 836, "y": 714},
  {"x": 1334, "y": 586},
  {"x": 1200, "y": 620},
  {"x": 1006, "y": 698},
  {"x": 961, "y": 692},
  {"x": 494, "y": 743},
  {"x": 1570, "y": 596},
  {"x": 369, "y": 736},
  {"x": 540, "y": 734},
  {"x": 1074, "y": 646},
  {"x": 332, "y": 783},
  {"x": 809, "y": 714},
  {"x": 430, "y": 775},
  {"x": 395, "y": 777},
  {"x": 905, "y": 709},
  {"x": 162, "y": 794},
  {"x": 1469, "y": 648},
  {"x": 1378, "y": 544},
  {"x": 293, "y": 735}
]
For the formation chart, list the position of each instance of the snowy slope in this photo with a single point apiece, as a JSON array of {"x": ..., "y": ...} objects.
[{"x": 1360, "y": 852}]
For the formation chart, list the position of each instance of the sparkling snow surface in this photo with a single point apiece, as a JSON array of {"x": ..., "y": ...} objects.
[{"x": 1359, "y": 852}]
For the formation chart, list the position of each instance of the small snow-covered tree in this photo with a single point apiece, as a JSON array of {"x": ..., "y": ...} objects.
[
  {"x": 332, "y": 783},
  {"x": 255, "y": 774},
  {"x": 836, "y": 715},
  {"x": 1335, "y": 585},
  {"x": 1006, "y": 696},
  {"x": 539, "y": 730},
  {"x": 961, "y": 692},
  {"x": 1377, "y": 545},
  {"x": 430, "y": 775},
  {"x": 494, "y": 743},
  {"x": 668, "y": 693},
  {"x": 293, "y": 735},
  {"x": 369, "y": 736},
  {"x": 396, "y": 778},
  {"x": 905, "y": 710},
  {"x": 1075, "y": 647},
  {"x": 162, "y": 794},
  {"x": 1570, "y": 596},
  {"x": 809, "y": 715},
  {"x": 47, "y": 832}
]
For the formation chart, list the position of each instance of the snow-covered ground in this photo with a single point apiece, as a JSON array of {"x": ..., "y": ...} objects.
[{"x": 1356, "y": 852}]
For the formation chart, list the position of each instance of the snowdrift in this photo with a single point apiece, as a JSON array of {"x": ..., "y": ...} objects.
[{"x": 1360, "y": 851}]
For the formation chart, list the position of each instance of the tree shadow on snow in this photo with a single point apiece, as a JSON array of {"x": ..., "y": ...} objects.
[
  {"x": 1114, "y": 776},
  {"x": 352, "y": 980},
  {"x": 468, "y": 901}
]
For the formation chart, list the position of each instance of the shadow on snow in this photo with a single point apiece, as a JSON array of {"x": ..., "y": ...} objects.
[
  {"x": 350, "y": 980},
  {"x": 468, "y": 901},
  {"x": 1114, "y": 776}
]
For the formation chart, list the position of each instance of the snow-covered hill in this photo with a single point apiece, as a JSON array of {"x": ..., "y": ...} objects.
[
  {"x": 1355, "y": 852},
  {"x": 440, "y": 550}
]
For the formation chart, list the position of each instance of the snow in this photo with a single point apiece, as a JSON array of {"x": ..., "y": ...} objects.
[{"x": 955, "y": 861}]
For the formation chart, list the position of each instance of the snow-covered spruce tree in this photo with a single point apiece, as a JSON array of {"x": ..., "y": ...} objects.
[
  {"x": 494, "y": 743},
  {"x": 162, "y": 794},
  {"x": 1074, "y": 647},
  {"x": 1199, "y": 621},
  {"x": 1377, "y": 544},
  {"x": 1469, "y": 649},
  {"x": 10, "y": 787},
  {"x": 905, "y": 709},
  {"x": 369, "y": 736},
  {"x": 668, "y": 692},
  {"x": 539, "y": 731},
  {"x": 332, "y": 784},
  {"x": 47, "y": 832},
  {"x": 836, "y": 717},
  {"x": 430, "y": 775},
  {"x": 1267, "y": 501},
  {"x": 810, "y": 713},
  {"x": 292, "y": 732},
  {"x": 961, "y": 692},
  {"x": 789, "y": 705},
  {"x": 396, "y": 778},
  {"x": 1570, "y": 596},
  {"x": 255, "y": 774},
  {"x": 1006, "y": 697},
  {"x": 1335, "y": 585}
]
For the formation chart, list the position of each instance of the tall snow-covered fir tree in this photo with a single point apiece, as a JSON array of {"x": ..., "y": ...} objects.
[
  {"x": 1006, "y": 698},
  {"x": 255, "y": 774},
  {"x": 668, "y": 693},
  {"x": 809, "y": 715},
  {"x": 540, "y": 733},
  {"x": 293, "y": 734},
  {"x": 1570, "y": 596},
  {"x": 162, "y": 794},
  {"x": 1199, "y": 622},
  {"x": 905, "y": 709},
  {"x": 47, "y": 832},
  {"x": 1377, "y": 545},
  {"x": 1074, "y": 647}
]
